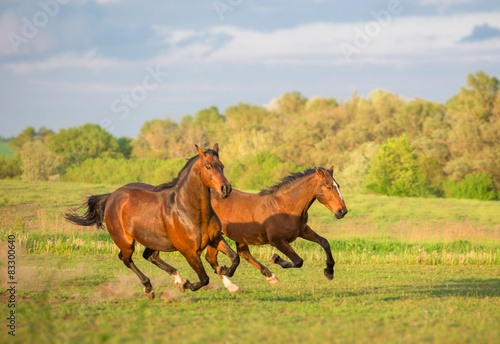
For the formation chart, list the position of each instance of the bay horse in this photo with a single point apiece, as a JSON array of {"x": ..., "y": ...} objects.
[
  {"x": 277, "y": 216},
  {"x": 175, "y": 216}
]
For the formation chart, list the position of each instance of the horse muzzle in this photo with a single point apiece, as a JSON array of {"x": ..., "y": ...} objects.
[
  {"x": 341, "y": 213},
  {"x": 225, "y": 190}
]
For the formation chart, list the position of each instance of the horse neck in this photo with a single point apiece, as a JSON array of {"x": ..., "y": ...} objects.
[
  {"x": 192, "y": 194},
  {"x": 298, "y": 196}
]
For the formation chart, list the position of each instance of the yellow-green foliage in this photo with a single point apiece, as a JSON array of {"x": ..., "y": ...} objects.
[{"x": 444, "y": 142}]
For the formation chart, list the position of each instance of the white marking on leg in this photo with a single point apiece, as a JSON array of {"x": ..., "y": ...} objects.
[
  {"x": 177, "y": 278},
  {"x": 233, "y": 288}
]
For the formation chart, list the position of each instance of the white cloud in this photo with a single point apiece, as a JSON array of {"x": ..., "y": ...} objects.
[
  {"x": 404, "y": 38},
  {"x": 443, "y": 4},
  {"x": 106, "y": 2},
  {"x": 404, "y": 41}
]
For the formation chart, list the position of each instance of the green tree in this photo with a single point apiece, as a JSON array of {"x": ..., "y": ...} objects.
[
  {"x": 474, "y": 136},
  {"x": 395, "y": 170},
  {"x": 247, "y": 116},
  {"x": 30, "y": 134},
  {"x": 38, "y": 162},
  {"x": 9, "y": 167},
  {"x": 79, "y": 143},
  {"x": 124, "y": 146},
  {"x": 291, "y": 103}
]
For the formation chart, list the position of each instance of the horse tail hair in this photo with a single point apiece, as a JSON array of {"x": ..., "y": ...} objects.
[{"x": 94, "y": 214}]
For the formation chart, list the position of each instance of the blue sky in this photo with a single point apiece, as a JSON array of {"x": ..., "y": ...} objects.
[{"x": 119, "y": 63}]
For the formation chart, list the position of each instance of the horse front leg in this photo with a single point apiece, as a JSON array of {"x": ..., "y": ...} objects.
[
  {"x": 223, "y": 271},
  {"x": 194, "y": 260},
  {"x": 219, "y": 244},
  {"x": 311, "y": 235},
  {"x": 211, "y": 258}
]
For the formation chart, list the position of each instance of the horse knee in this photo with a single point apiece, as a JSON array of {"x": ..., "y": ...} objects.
[
  {"x": 299, "y": 263},
  {"x": 204, "y": 281},
  {"x": 324, "y": 243}
]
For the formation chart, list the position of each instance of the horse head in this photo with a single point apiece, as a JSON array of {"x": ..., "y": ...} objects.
[
  {"x": 328, "y": 192},
  {"x": 212, "y": 171}
]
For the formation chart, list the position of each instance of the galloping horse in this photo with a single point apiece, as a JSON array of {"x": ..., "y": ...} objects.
[
  {"x": 277, "y": 216},
  {"x": 175, "y": 216}
]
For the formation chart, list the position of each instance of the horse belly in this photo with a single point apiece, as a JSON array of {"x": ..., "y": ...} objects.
[
  {"x": 155, "y": 240},
  {"x": 249, "y": 233}
]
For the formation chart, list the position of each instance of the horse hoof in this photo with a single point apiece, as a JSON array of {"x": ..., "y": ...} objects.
[
  {"x": 181, "y": 286},
  {"x": 230, "y": 286},
  {"x": 273, "y": 259},
  {"x": 272, "y": 280},
  {"x": 235, "y": 290},
  {"x": 150, "y": 295},
  {"x": 328, "y": 275}
]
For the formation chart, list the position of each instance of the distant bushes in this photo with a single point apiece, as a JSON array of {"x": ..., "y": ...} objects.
[
  {"x": 123, "y": 171},
  {"x": 258, "y": 171},
  {"x": 382, "y": 143},
  {"x": 475, "y": 186},
  {"x": 395, "y": 170},
  {"x": 9, "y": 168}
]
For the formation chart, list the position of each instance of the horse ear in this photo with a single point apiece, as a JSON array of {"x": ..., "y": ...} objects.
[
  {"x": 320, "y": 172},
  {"x": 216, "y": 148},
  {"x": 200, "y": 152},
  {"x": 331, "y": 169}
]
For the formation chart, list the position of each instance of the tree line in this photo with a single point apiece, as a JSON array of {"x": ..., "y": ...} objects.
[{"x": 382, "y": 143}]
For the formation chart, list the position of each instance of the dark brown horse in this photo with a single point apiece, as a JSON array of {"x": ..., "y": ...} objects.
[
  {"x": 175, "y": 216},
  {"x": 277, "y": 216}
]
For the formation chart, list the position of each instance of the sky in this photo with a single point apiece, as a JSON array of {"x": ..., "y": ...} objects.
[{"x": 119, "y": 63}]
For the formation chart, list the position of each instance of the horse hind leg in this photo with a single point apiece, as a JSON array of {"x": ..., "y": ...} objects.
[
  {"x": 283, "y": 246},
  {"x": 154, "y": 257},
  {"x": 125, "y": 256},
  {"x": 244, "y": 252}
]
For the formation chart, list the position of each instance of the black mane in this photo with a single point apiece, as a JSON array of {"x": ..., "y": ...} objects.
[
  {"x": 287, "y": 180},
  {"x": 182, "y": 174}
]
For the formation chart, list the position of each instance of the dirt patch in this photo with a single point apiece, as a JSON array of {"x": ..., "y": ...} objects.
[
  {"x": 174, "y": 296},
  {"x": 123, "y": 287}
]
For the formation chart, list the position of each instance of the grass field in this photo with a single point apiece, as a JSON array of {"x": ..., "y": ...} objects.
[{"x": 408, "y": 271}]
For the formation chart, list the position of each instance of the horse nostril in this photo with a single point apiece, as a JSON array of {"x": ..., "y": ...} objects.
[{"x": 225, "y": 189}]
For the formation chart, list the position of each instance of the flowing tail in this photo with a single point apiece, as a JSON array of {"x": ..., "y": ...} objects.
[{"x": 94, "y": 214}]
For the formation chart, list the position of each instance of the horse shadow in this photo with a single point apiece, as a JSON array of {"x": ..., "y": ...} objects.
[{"x": 470, "y": 287}]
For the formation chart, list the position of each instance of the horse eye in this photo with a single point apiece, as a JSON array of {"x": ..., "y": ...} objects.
[
  {"x": 208, "y": 167},
  {"x": 328, "y": 187}
]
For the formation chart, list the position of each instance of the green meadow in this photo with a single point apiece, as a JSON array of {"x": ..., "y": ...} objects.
[{"x": 408, "y": 270}]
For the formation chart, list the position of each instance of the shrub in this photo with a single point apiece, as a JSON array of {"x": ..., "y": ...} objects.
[
  {"x": 395, "y": 170},
  {"x": 123, "y": 171},
  {"x": 257, "y": 171},
  {"x": 9, "y": 167},
  {"x": 477, "y": 185},
  {"x": 38, "y": 162}
]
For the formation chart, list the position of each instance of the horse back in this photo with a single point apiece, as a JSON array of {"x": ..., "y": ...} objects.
[
  {"x": 134, "y": 213},
  {"x": 245, "y": 216}
]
